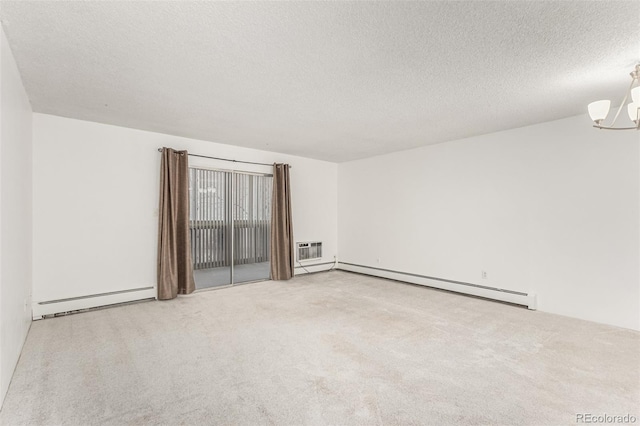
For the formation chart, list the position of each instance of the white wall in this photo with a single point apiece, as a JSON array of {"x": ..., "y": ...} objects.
[
  {"x": 551, "y": 209},
  {"x": 15, "y": 215},
  {"x": 96, "y": 196}
]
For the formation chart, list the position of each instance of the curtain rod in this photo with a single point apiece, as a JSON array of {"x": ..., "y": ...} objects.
[{"x": 226, "y": 159}]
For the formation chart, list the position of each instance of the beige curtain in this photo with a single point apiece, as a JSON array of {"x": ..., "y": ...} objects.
[
  {"x": 281, "y": 225},
  {"x": 175, "y": 271}
]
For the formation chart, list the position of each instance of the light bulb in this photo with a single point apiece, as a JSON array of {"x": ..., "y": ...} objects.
[
  {"x": 635, "y": 95},
  {"x": 599, "y": 110},
  {"x": 634, "y": 110}
]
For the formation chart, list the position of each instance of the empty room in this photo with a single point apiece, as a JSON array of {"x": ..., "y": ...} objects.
[{"x": 319, "y": 213}]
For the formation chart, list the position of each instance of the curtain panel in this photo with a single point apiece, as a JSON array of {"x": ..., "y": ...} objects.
[
  {"x": 175, "y": 270},
  {"x": 282, "y": 261}
]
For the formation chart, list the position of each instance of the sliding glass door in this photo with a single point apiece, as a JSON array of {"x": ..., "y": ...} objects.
[
  {"x": 210, "y": 226},
  {"x": 251, "y": 227},
  {"x": 230, "y": 226}
]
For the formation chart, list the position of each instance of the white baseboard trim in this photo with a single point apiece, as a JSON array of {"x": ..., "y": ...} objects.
[
  {"x": 509, "y": 296},
  {"x": 50, "y": 307}
]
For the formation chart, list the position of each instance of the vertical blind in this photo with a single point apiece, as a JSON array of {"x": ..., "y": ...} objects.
[{"x": 230, "y": 218}]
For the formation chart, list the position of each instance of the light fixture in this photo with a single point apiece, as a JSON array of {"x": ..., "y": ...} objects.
[{"x": 599, "y": 110}]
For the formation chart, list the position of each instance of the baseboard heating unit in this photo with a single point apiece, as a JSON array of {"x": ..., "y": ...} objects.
[
  {"x": 52, "y": 307},
  {"x": 509, "y": 296}
]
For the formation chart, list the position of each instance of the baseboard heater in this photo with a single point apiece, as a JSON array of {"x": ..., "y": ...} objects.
[
  {"x": 509, "y": 296},
  {"x": 71, "y": 304}
]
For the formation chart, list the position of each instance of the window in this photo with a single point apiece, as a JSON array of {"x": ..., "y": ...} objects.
[{"x": 230, "y": 225}]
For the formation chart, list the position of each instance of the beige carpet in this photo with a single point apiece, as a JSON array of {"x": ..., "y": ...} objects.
[{"x": 330, "y": 348}]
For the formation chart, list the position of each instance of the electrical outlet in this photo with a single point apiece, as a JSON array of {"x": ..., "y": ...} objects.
[{"x": 484, "y": 275}]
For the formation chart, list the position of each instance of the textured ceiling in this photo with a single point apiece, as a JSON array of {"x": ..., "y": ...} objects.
[{"x": 329, "y": 80}]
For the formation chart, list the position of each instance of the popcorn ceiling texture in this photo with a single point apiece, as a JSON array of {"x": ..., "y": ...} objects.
[{"x": 335, "y": 81}]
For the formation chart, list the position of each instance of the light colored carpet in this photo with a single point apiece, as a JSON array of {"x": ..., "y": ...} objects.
[{"x": 330, "y": 348}]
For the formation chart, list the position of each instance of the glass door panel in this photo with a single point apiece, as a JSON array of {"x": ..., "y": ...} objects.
[
  {"x": 251, "y": 227},
  {"x": 210, "y": 227}
]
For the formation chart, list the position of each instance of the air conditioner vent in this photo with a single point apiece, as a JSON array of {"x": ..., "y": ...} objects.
[{"x": 310, "y": 250}]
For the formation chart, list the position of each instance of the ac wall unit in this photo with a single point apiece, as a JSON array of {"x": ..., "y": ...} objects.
[{"x": 310, "y": 250}]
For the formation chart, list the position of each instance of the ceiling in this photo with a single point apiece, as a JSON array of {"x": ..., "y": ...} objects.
[{"x": 335, "y": 81}]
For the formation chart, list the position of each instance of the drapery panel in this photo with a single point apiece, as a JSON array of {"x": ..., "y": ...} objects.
[
  {"x": 175, "y": 270},
  {"x": 282, "y": 261}
]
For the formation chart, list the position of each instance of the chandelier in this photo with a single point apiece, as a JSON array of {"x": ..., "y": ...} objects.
[{"x": 599, "y": 110}]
